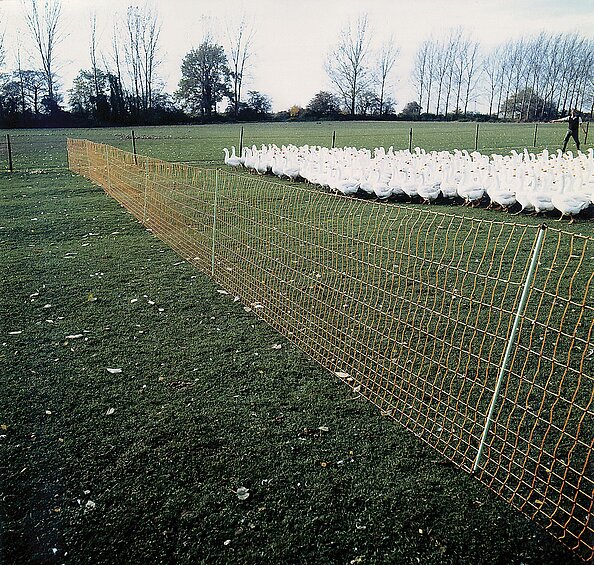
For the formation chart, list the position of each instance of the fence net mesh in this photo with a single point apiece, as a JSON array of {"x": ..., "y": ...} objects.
[{"x": 412, "y": 308}]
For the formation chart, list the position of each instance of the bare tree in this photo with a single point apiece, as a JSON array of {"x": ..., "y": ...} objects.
[
  {"x": 441, "y": 68},
  {"x": 20, "y": 78},
  {"x": 423, "y": 72},
  {"x": 347, "y": 63},
  {"x": 141, "y": 48},
  {"x": 115, "y": 45},
  {"x": 93, "y": 53},
  {"x": 239, "y": 48},
  {"x": 530, "y": 78},
  {"x": 472, "y": 71},
  {"x": 2, "y": 52},
  {"x": 453, "y": 46},
  {"x": 490, "y": 70},
  {"x": 385, "y": 63},
  {"x": 46, "y": 33}
]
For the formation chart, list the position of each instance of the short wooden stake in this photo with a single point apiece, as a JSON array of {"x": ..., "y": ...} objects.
[
  {"x": 134, "y": 148},
  {"x": 9, "y": 153}
]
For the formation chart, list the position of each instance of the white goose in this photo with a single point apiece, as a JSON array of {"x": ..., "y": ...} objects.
[
  {"x": 429, "y": 187},
  {"x": 568, "y": 201},
  {"x": 501, "y": 196},
  {"x": 232, "y": 160},
  {"x": 380, "y": 185},
  {"x": 346, "y": 185},
  {"x": 540, "y": 193},
  {"x": 470, "y": 188}
]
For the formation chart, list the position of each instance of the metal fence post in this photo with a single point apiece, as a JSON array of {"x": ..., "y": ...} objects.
[
  {"x": 476, "y": 137},
  {"x": 410, "y": 137},
  {"x": 88, "y": 160},
  {"x": 146, "y": 178},
  {"x": 510, "y": 343},
  {"x": 535, "y": 132},
  {"x": 241, "y": 141},
  {"x": 333, "y": 139},
  {"x": 214, "y": 223},
  {"x": 134, "y": 148},
  {"x": 9, "y": 148},
  {"x": 107, "y": 168}
]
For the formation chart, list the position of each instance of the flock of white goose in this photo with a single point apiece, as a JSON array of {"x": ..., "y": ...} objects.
[{"x": 534, "y": 183}]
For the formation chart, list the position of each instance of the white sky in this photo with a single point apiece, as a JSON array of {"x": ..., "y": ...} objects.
[{"x": 293, "y": 38}]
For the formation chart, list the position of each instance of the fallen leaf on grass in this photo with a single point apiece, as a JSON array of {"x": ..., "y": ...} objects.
[
  {"x": 113, "y": 371},
  {"x": 73, "y": 336},
  {"x": 110, "y": 411},
  {"x": 15, "y": 333},
  {"x": 220, "y": 291},
  {"x": 341, "y": 375},
  {"x": 276, "y": 346}
]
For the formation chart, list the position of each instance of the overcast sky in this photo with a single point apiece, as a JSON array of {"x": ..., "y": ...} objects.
[{"x": 293, "y": 38}]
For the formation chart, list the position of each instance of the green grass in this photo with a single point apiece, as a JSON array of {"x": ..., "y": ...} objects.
[
  {"x": 206, "y": 402},
  {"x": 204, "y": 144}
]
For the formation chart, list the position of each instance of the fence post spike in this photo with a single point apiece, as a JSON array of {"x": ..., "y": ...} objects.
[
  {"x": 146, "y": 180},
  {"x": 9, "y": 148},
  {"x": 214, "y": 223},
  {"x": 510, "y": 344}
]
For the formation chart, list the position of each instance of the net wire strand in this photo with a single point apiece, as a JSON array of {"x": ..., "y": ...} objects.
[{"x": 412, "y": 308}]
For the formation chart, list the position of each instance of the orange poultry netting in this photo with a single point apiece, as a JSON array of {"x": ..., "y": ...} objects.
[{"x": 475, "y": 335}]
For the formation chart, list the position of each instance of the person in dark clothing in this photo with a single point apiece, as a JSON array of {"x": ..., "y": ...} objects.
[{"x": 573, "y": 126}]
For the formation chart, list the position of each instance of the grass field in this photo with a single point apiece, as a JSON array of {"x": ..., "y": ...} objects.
[
  {"x": 204, "y": 144},
  {"x": 138, "y": 399}
]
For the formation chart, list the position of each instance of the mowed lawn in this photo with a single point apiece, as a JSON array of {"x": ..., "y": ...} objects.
[{"x": 140, "y": 404}]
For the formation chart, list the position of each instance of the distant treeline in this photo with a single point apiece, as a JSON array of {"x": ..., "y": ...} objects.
[{"x": 532, "y": 79}]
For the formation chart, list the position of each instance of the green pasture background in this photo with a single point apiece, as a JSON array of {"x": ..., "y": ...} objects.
[{"x": 203, "y": 144}]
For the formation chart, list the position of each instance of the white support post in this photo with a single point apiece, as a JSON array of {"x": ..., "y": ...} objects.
[
  {"x": 510, "y": 343},
  {"x": 214, "y": 223},
  {"x": 146, "y": 179},
  {"x": 88, "y": 161},
  {"x": 107, "y": 169}
]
